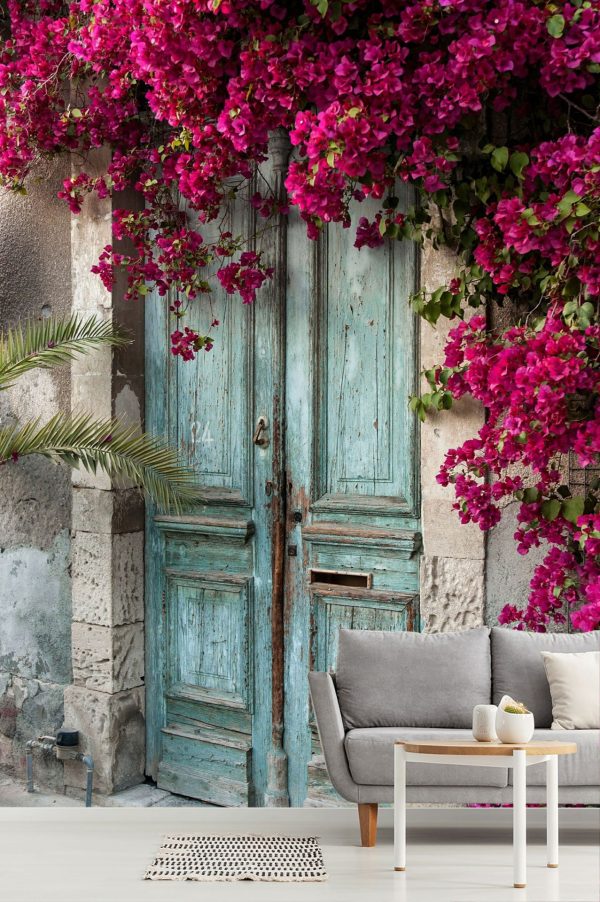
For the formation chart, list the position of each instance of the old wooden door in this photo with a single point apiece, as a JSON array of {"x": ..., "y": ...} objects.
[{"x": 297, "y": 424}]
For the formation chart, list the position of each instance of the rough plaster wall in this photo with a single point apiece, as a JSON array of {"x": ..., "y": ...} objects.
[
  {"x": 507, "y": 573},
  {"x": 35, "y": 505},
  {"x": 453, "y": 559}
]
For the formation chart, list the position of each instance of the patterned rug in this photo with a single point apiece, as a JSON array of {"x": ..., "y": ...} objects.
[{"x": 289, "y": 859}]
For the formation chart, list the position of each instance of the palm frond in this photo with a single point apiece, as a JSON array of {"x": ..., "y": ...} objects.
[
  {"x": 50, "y": 342},
  {"x": 123, "y": 452}
]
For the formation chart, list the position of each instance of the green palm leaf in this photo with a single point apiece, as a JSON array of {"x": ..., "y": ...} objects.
[
  {"x": 123, "y": 452},
  {"x": 50, "y": 342}
]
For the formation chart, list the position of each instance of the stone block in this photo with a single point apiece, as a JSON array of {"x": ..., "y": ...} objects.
[
  {"x": 112, "y": 730},
  {"x": 444, "y": 536},
  {"x": 128, "y": 577},
  {"x": 140, "y": 796},
  {"x": 92, "y": 510},
  {"x": 112, "y": 513},
  {"x": 108, "y": 578},
  {"x": 99, "y": 480},
  {"x": 92, "y": 392},
  {"x": 108, "y": 659},
  {"x": 92, "y": 578},
  {"x": 97, "y": 362},
  {"x": 452, "y": 593}
]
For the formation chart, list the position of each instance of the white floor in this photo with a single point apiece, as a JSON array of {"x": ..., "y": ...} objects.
[{"x": 100, "y": 854}]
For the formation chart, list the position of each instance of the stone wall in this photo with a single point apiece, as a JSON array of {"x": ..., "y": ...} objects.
[
  {"x": 106, "y": 700},
  {"x": 35, "y": 509},
  {"x": 71, "y": 546}
]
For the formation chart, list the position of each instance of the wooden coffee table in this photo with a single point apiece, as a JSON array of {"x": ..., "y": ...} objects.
[{"x": 486, "y": 754}]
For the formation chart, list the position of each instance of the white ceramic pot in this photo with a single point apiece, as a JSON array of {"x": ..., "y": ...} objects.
[
  {"x": 484, "y": 723},
  {"x": 514, "y": 727}
]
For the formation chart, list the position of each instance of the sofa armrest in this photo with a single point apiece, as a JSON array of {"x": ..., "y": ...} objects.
[{"x": 332, "y": 733}]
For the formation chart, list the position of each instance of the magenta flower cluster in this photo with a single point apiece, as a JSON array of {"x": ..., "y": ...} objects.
[
  {"x": 541, "y": 389},
  {"x": 487, "y": 108}
]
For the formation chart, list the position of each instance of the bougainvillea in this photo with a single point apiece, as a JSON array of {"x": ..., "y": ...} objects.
[{"x": 488, "y": 108}]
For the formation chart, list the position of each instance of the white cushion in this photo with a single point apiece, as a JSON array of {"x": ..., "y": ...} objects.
[{"x": 574, "y": 681}]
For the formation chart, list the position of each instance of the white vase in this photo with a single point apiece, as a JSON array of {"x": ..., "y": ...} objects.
[
  {"x": 513, "y": 727},
  {"x": 484, "y": 723}
]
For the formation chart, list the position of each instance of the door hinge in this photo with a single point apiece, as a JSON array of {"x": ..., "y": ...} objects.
[{"x": 164, "y": 604}]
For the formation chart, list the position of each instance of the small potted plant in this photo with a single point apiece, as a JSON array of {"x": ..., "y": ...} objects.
[{"x": 514, "y": 722}]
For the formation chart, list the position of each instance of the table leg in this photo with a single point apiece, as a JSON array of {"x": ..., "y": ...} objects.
[
  {"x": 399, "y": 808},
  {"x": 519, "y": 818},
  {"x": 552, "y": 810}
]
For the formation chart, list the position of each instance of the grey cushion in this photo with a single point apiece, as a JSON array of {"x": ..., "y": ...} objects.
[
  {"x": 518, "y": 667},
  {"x": 371, "y": 759},
  {"x": 581, "y": 769},
  {"x": 403, "y": 679}
]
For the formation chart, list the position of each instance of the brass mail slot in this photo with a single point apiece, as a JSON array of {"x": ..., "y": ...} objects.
[{"x": 342, "y": 578}]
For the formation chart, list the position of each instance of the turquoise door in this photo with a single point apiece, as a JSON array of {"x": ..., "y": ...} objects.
[{"x": 298, "y": 427}]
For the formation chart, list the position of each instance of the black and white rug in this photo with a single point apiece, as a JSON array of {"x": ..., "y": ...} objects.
[{"x": 288, "y": 859}]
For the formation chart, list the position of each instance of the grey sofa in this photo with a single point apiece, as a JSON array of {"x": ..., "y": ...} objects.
[{"x": 402, "y": 685}]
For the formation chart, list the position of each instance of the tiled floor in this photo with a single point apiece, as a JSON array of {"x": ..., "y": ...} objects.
[{"x": 99, "y": 855}]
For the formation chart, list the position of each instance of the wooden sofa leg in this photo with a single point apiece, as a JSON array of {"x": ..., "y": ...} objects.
[{"x": 367, "y": 818}]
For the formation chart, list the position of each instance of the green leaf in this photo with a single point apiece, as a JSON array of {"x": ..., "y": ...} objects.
[
  {"x": 572, "y": 508},
  {"x": 123, "y": 452},
  {"x": 530, "y": 495},
  {"x": 518, "y": 162},
  {"x": 530, "y": 217},
  {"x": 556, "y": 25},
  {"x": 41, "y": 344},
  {"x": 500, "y": 159},
  {"x": 76, "y": 113},
  {"x": 551, "y": 508},
  {"x": 567, "y": 203}
]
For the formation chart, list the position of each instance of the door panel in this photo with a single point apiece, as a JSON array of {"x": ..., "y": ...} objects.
[
  {"x": 335, "y": 608},
  {"x": 360, "y": 379},
  {"x": 351, "y": 462},
  {"x": 207, "y": 629},
  {"x": 212, "y": 422},
  {"x": 203, "y": 633}
]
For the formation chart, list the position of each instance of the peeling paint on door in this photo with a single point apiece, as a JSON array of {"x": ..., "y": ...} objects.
[{"x": 328, "y": 482}]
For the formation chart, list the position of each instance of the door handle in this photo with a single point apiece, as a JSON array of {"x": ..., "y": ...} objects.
[{"x": 258, "y": 438}]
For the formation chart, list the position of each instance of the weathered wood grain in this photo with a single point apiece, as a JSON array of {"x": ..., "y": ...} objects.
[{"x": 327, "y": 356}]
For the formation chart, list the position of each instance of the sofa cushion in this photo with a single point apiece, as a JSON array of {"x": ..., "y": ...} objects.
[
  {"x": 580, "y": 769},
  {"x": 371, "y": 760},
  {"x": 518, "y": 667},
  {"x": 574, "y": 680},
  {"x": 403, "y": 679}
]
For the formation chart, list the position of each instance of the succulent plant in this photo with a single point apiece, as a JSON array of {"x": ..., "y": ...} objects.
[{"x": 516, "y": 708}]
